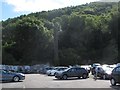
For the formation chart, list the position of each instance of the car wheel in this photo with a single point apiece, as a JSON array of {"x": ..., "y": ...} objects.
[
  {"x": 16, "y": 78},
  {"x": 104, "y": 77},
  {"x": 84, "y": 76},
  {"x": 64, "y": 77},
  {"x": 113, "y": 82}
]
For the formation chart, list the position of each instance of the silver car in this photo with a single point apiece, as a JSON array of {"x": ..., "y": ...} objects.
[
  {"x": 72, "y": 72},
  {"x": 11, "y": 76}
]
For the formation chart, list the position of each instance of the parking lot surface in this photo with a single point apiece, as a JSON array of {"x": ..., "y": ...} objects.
[{"x": 44, "y": 81}]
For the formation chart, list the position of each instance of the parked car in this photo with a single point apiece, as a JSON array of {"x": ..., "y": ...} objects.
[
  {"x": 72, "y": 72},
  {"x": 59, "y": 69},
  {"x": 44, "y": 70},
  {"x": 11, "y": 76},
  {"x": 115, "y": 76},
  {"x": 104, "y": 72},
  {"x": 53, "y": 71}
]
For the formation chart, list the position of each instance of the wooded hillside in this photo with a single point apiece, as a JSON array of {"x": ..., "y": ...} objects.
[{"x": 85, "y": 34}]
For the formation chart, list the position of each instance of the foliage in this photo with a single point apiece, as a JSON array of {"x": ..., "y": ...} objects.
[{"x": 89, "y": 33}]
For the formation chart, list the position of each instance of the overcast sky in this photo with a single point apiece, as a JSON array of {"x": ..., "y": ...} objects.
[{"x": 13, "y": 8}]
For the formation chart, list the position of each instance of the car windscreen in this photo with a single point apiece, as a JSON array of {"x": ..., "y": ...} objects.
[{"x": 60, "y": 69}]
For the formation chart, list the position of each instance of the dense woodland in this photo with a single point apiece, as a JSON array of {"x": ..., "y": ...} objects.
[{"x": 86, "y": 34}]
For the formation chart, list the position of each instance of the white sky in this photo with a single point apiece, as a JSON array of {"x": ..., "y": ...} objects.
[{"x": 40, "y": 5}]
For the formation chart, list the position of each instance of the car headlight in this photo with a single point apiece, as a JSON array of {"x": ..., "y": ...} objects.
[{"x": 22, "y": 74}]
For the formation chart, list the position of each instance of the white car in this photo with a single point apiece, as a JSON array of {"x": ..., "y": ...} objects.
[
  {"x": 54, "y": 70},
  {"x": 48, "y": 72},
  {"x": 51, "y": 72}
]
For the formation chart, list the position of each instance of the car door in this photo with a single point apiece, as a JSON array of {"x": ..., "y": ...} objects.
[
  {"x": 6, "y": 75},
  {"x": 119, "y": 75},
  {"x": 80, "y": 71},
  {"x": 76, "y": 73},
  {"x": 71, "y": 72},
  {"x": 116, "y": 74}
]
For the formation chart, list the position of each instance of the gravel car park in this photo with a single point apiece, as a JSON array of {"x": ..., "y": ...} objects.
[
  {"x": 43, "y": 81},
  {"x": 72, "y": 80}
]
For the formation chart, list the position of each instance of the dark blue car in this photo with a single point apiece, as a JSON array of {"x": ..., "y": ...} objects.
[
  {"x": 72, "y": 72},
  {"x": 11, "y": 76},
  {"x": 115, "y": 76}
]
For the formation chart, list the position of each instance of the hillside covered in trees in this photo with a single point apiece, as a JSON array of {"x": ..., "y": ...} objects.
[{"x": 85, "y": 34}]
